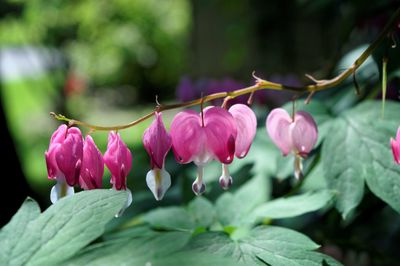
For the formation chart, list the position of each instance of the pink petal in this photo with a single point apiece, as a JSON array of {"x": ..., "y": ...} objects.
[
  {"x": 92, "y": 168},
  {"x": 52, "y": 167},
  {"x": 220, "y": 129},
  {"x": 69, "y": 156},
  {"x": 157, "y": 142},
  {"x": 187, "y": 135},
  {"x": 246, "y": 123},
  {"x": 278, "y": 123},
  {"x": 56, "y": 140},
  {"x": 395, "y": 150},
  {"x": 304, "y": 133},
  {"x": 118, "y": 160}
]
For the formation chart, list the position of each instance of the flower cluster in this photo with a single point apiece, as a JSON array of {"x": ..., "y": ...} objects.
[
  {"x": 72, "y": 160},
  {"x": 213, "y": 134}
]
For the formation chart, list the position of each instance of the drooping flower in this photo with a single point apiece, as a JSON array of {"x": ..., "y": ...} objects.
[
  {"x": 92, "y": 165},
  {"x": 297, "y": 135},
  {"x": 395, "y": 143},
  {"x": 118, "y": 160},
  {"x": 246, "y": 124},
  {"x": 64, "y": 160},
  {"x": 203, "y": 137},
  {"x": 157, "y": 143}
]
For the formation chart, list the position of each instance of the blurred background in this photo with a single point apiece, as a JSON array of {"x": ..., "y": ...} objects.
[{"x": 105, "y": 61}]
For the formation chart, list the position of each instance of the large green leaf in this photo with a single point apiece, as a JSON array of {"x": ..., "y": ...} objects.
[
  {"x": 293, "y": 206},
  {"x": 63, "y": 229},
  {"x": 234, "y": 209},
  {"x": 297, "y": 258},
  {"x": 358, "y": 149},
  {"x": 199, "y": 213},
  {"x": 258, "y": 241},
  {"x": 135, "y": 250},
  {"x": 11, "y": 233}
]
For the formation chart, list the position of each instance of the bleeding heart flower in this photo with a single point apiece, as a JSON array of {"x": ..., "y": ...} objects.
[
  {"x": 246, "y": 124},
  {"x": 157, "y": 143},
  {"x": 395, "y": 143},
  {"x": 118, "y": 160},
  {"x": 203, "y": 137},
  {"x": 297, "y": 135},
  {"x": 92, "y": 165},
  {"x": 63, "y": 160}
]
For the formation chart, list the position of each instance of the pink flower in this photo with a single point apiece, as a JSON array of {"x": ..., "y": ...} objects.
[
  {"x": 298, "y": 136},
  {"x": 200, "y": 138},
  {"x": 157, "y": 143},
  {"x": 63, "y": 160},
  {"x": 92, "y": 165},
  {"x": 118, "y": 160},
  {"x": 246, "y": 124},
  {"x": 395, "y": 143}
]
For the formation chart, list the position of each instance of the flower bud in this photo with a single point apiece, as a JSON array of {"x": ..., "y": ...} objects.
[
  {"x": 118, "y": 160},
  {"x": 64, "y": 160},
  {"x": 157, "y": 143},
  {"x": 92, "y": 165}
]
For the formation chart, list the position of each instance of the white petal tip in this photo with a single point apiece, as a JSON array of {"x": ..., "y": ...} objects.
[
  {"x": 158, "y": 181},
  {"x": 59, "y": 190},
  {"x": 126, "y": 205}
]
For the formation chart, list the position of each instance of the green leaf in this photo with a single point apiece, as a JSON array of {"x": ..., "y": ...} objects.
[
  {"x": 297, "y": 258},
  {"x": 258, "y": 241},
  {"x": 65, "y": 227},
  {"x": 293, "y": 206},
  {"x": 200, "y": 213},
  {"x": 234, "y": 209},
  {"x": 358, "y": 149},
  {"x": 175, "y": 218},
  {"x": 135, "y": 250},
  {"x": 11, "y": 233}
]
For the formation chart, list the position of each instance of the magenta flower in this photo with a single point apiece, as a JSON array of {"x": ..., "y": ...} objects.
[
  {"x": 246, "y": 124},
  {"x": 297, "y": 135},
  {"x": 118, "y": 160},
  {"x": 203, "y": 137},
  {"x": 63, "y": 160},
  {"x": 92, "y": 165},
  {"x": 395, "y": 143},
  {"x": 157, "y": 143}
]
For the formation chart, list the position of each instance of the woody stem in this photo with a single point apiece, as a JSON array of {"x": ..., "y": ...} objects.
[{"x": 261, "y": 84}]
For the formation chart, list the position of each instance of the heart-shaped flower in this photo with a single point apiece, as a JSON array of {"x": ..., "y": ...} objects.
[
  {"x": 297, "y": 135},
  {"x": 246, "y": 124},
  {"x": 203, "y": 137}
]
